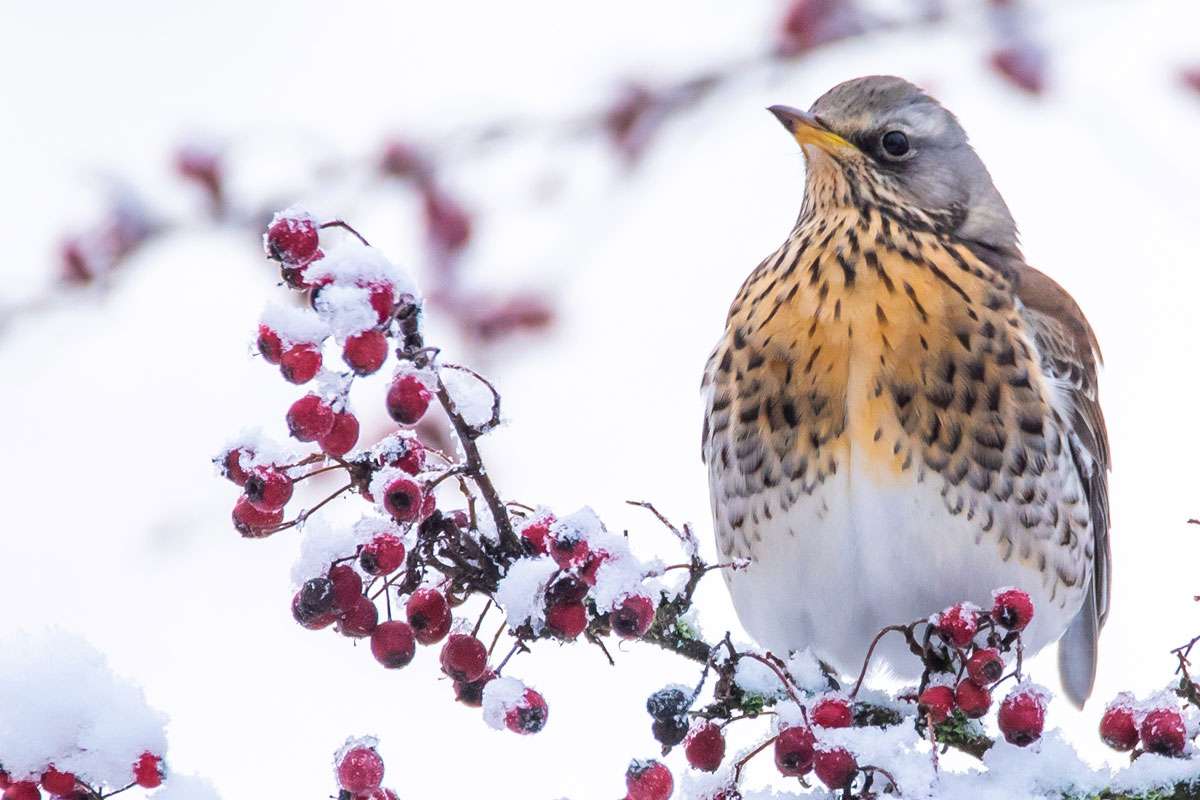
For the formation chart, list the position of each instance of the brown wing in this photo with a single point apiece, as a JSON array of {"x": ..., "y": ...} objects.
[{"x": 1071, "y": 355}]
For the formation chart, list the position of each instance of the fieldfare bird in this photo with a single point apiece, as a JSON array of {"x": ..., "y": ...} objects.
[{"x": 902, "y": 414}]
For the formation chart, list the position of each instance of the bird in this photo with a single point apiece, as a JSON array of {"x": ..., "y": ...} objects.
[{"x": 901, "y": 413}]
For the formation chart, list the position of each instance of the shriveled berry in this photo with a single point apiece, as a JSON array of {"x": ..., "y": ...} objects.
[
  {"x": 312, "y": 620},
  {"x": 408, "y": 399},
  {"x": 1022, "y": 716},
  {"x": 270, "y": 346},
  {"x": 566, "y": 620},
  {"x": 528, "y": 715},
  {"x": 347, "y": 587},
  {"x": 22, "y": 790},
  {"x": 342, "y": 436},
  {"x": 832, "y": 712},
  {"x": 383, "y": 555},
  {"x": 667, "y": 703},
  {"x": 403, "y": 498},
  {"x": 534, "y": 534},
  {"x": 985, "y": 666},
  {"x": 972, "y": 699},
  {"x": 148, "y": 771},
  {"x": 1012, "y": 609},
  {"x": 59, "y": 784},
  {"x": 835, "y": 766},
  {"x": 648, "y": 780},
  {"x": 253, "y": 523},
  {"x": 268, "y": 489},
  {"x": 316, "y": 595},
  {"x": 231, "y": 465},
  {"x": 464, "y": 658},
  {"x": 291, "y": 239},
  {"x": 392, "y": 644},
  {"x": 300, "y": 363},
  {"x": 671, "y": 731},
  {"x": 1118, "y": 728},
  {"x": 958, "y": 624},
  {"x": 937, "y": 702},
  {"x": 794, "y": 751},
  {"x": 429, "y": 615},
  {"x": 566, "y": 589},
  {"x": 360, "y": 770},
  {"x": 470, "y": 693},
  {"x": 360, "y": 619},
  {"x": 704, "y": 747},
  {"x": 633, "y": 617},
  {"x": 1163, "y": 731},
  {"x": 310, "y": 418},
  {"x": 366, "y": 352}
]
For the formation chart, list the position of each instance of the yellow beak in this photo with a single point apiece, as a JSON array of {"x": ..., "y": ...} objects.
[{"x": 808, "y": 129}]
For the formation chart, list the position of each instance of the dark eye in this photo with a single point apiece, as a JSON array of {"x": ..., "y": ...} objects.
[{"x": 894, "y": 144}]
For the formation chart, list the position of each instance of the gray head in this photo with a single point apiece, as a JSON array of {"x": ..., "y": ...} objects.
[{"x": 907, "y": 144}]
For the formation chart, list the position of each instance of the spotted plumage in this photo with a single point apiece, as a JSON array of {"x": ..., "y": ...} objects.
[{"x": 902, "y": 414}]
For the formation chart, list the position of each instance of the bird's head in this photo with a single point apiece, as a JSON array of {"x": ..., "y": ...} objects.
[{"x": 882, "y": 141}]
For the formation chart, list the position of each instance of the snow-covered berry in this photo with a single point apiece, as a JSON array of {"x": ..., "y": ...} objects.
[
  {"x": 310, "y": 418},
  {"x": 252, "y": 522},
  {"x": 383, "y": 555},
  {"x": 300, "y": 363},
  {"x": 268, "y": 489},
  {"x": 360, "y": 770},
  {"x": 429, "y": 615},
  {"x": 342, "y": 436},
  {"x": 633, "y": 617},
  {"x": 317, "y": 595},
  {"x": 408, "y": 399},
  {"x": 312, "y": 620},
  {"x": 566, "y": 589},
  {"x": 464, "y": 657},
  {"x": 937, "y": 702},
  {"x": 985, "y": 666},
  {"x": 347, "y": 587},
  {"x": 1022, "y": 716},
  {"x": 404, "y": 452},
  {"x": 230, "y": 464},
  {"x": 1012, "y": 609},
  {"x": 832, "y": 712},
  {"x": 568, "y": 548},
  {"x": 470, "y": 693},
  {"x": 835, "y": 766},
  {"x": 360, "y": 619},
  {"x": 22, "y": 790},
  {"x": 1163, "y": 731},
  {"x": 957, "y": 624},
  {"x": 270, "y": 346},
  {"x": 794, "y": 751},
  {"x": 404, "y": 499},
  {"x": 704, "y": 747},
  {"x": 669, "y": 732},
  {"x": 383, "y": 299},
  {"x": 972, "y": 699},
  {"x": 148, "y": 771},
  {"x": 566, "y": 620},
  {"x": 291, "y": 238},
  {"x": 1118, "y": 728},
  {"x": 365, "y": 352},
  {"x": 534, "y": 534},
  {"x": 528, "y": 714},
  {"x": 668, "y": 703},
  {"x": 392, "y": 644},
  {"x": 59, "y": 784},
  {"x": 648, "y": 780}
]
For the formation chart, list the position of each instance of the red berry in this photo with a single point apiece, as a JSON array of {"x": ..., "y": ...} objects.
[
  {"x": 1022, "y": 716},
  {"x": 972, "y": 699},
  {"x": 270, "y": 346},
  {"x": 253, "y": 523},
  {"x": 592, "y": 565},
  {"x": 633, "y": 617},
  {"x": 366, "y": 352},
  {"x": 360, "y": 619},
  {"x": 794, "y": 751},
  {"x": 527, "y": 715},
  {"x": 446, "y": 221},
  {"x": 937, "y": 702},
  {"x": 464, "y": 658},
  {"x": 312, "y": 620},
  {"x": 408, "y": 399},
  {"x": 59, "y": 784},
  {"x": 985, "y": 666},
  {"x": 300, "y": 363},
  {"x": 5, "y": 780},
  {"x": 1117, "y": 727},
  {"x": 383, "y": 300},
  {"x": 360, "y": 770},
  {"x": 342, "y": 436},
  {"x": 1012, "y": 609},
  {"x": 534, "y": 533},
  {"x": 268, "y": 489},
  {"x": 383, "y": 555},
  {"x": 148, "y": 771},
  {"x": 291, "y": 240},
  {"x": 347, "y": 587},
  {"x": 310, "y": 418},
  {"x": 404, "y": 499},
  {"x": 22, "y": 790},
  {"x": 392, "y": 644},
  {"x": 231, "y": 465},
  {"x": 568, "y": 549},
  {"x": 832, "y": 712},
  {"x": 835, "y": 767},
  {"x": 958, "y": 624},
  {"x": 405, "y": 453},
  {"x": 566, "y": 620},
  {"x": 470, "y": 693},
  {"x": 429, "y": 615},
  {"x": 1163, "y": 732},
  {"x": 648, "y": 780},
  {"x": 705, "y": 747}
]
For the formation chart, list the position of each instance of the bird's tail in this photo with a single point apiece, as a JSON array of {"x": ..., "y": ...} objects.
[{"x": 1077, "y": 651}]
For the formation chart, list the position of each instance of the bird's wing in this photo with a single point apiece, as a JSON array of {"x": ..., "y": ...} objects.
[{"x": 1070, "y": 356}]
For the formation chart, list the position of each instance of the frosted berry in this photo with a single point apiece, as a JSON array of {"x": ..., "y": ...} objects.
[
  {"x": 527, "y": 715},
  {"x": 317, "y": 595},
  {"x": 310, "y": 418},
  {"x": 392, "y": 644},
  {"x": 567, "y": 589},
  {"x": 408, "y": 399},
  {"x": 406, "y": 453},
  {"x": 22, "y": 790},
  {"x": 366, "y": 352},
  {"x": 342, "y": 436},
  {"x": 667, "y": 703},
  {"x": 957, "y": 624},
  {"x": 300, "y": 363},
  {"x": 470, "y": 693},
  {"x": 59, "y": 784},
  {"x": 1012, "y": 609},
  {"x": 794, "y": 751},
  {"x": 1118, "y": 728},
  {"x": 832, "y": 712},
  {"x": 972, "y": 699},
  {"x": 429, "y": 615},
  {"x": 669, "y": 732},
  {"x": 359, "y": 620},
  {"x": 985, "y": 666},
  {"x": 360, "y": 770},
  {"x": 270, "y": 346},
  {"x": 534, "y": 534},
  {"x": 268, "y": 489},
  {"x": 566, "y": 620},
  {"x": 591, "y": 566},
  {"x": 404, "y": 499},
  {"x": 1163, "y": 732},
  {"x": 231, "y": 465},
  {"x": 464, "y": 658},
  {"x": 1022, "y": 717},
  {"x": 705, "y": 747},
  {"x": 633, "y": 617},
  {"x": 312, "y": 620},
  {"x": 148, "y": 771},
  {"x": 291, "y": 240},
  {"x": 648, "y": 780},
  {"x": 347, "y": 587},
  {"x": 253, "y": 523},
  {"x": 835, "y": 767},
  {"x": 937, "y": 702},
  {"x": 383, "y": 300},
  {"x": 383, "y": 555},
  {"x": 568, "y": 549}
]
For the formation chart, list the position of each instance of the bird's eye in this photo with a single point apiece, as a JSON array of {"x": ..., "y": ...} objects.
[{"x": 894, "y": 144}]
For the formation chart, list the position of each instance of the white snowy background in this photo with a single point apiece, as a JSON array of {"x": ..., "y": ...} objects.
[{"x": 115, "y": 527}]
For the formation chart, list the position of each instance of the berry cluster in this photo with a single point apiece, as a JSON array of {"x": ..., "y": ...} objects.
[{"x": 147, "y": 772}]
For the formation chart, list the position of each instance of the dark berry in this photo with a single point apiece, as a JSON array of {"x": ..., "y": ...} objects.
[
  {"x": 470, "y": 693},
  {"x": 566, "y": 589},
  {"x": 671, "y": 731},
  {"x": 312, "y": 620},
  {"x": 633, "y": 617},
  {"x": 668, "y": 703}
]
